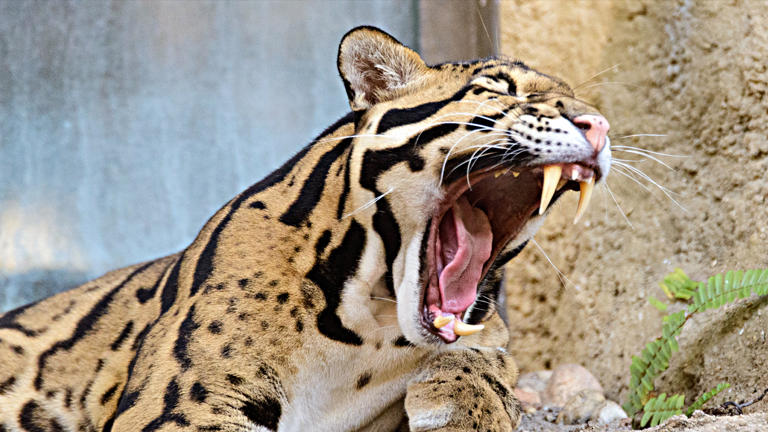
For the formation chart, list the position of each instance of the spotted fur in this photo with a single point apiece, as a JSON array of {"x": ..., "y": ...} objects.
[{"x": 297, "y": 305}]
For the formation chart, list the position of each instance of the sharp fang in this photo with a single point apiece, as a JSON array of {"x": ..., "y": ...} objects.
[
  {"x": 515, "y": 173},
  {"x": 497, "y": 174},
  {"x": 574, "y": 175},
  {"x": 463, "y": 329},
  {"x": 584, "y": 197},
  {"x": 549, "y": 185},
  {"x": 442, "y": 321}
]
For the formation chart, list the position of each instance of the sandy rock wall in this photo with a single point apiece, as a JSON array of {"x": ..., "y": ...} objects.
[{"x": 695, "y": 72}]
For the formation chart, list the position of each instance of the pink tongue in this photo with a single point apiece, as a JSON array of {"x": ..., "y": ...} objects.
[{"x": 464, "y": 247}]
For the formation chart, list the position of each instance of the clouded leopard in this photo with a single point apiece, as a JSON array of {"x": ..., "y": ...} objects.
[{"x": 353, "y": 288}]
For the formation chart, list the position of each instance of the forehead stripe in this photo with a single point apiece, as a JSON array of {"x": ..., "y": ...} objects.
[{"x": 402, "y": 116}]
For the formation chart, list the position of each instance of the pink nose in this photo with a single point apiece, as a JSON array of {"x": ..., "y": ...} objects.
[{"x": 595, "y": 129}]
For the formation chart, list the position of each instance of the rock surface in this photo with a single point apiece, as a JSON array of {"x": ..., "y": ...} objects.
[
  {"x": 543, "y": 421},
  {"x": 695, "y": 72},
  {"x": 566, "y": 382}
]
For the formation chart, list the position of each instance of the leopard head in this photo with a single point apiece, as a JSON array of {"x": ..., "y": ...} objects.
[{"x": 457, "y": 166}]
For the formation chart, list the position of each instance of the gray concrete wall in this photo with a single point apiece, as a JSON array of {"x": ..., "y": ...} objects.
[{"x": 124, "y": 125}]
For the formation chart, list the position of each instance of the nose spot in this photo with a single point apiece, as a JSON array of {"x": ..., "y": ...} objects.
[{"x": 595, "y": 129}]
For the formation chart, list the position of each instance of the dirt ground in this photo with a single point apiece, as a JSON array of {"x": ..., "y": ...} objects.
[
  {"x": 694, "y": 72},
  {"x": 699, "y": 422}
]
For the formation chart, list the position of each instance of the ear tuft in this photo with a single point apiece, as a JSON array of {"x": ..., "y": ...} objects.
[{"x": 375, "y": 67}]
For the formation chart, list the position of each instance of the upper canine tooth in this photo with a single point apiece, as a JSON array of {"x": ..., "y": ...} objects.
[
  {"x": 463, "y": 329},
  {"x": 442, "y": 321},
  {"x": 549, "y": 185},
  {"x": 515, "y": 173},
  {"x": 585, "y": 194}
]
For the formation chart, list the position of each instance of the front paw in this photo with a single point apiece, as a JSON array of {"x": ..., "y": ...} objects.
[{"x": 464, "y": 390}]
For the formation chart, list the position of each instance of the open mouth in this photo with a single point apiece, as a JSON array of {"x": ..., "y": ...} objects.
[{"x": 474, "y": 224}]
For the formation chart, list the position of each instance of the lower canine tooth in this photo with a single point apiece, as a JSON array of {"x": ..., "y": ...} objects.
[
  {"x": 442, "y": 321},
  {"x": 549, "y": 185},
  {"x": 463, "y": 329},
  {"x": 585, "y": 194}
]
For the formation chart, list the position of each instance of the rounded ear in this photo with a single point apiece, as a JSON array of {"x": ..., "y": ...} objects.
[{"x": 375, "y": 67}]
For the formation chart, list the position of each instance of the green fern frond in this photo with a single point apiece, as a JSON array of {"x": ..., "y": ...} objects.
[
  {"x": 658, "y": 304},
  {"x": 659, "y": 409},
  {"x": 677, "y": 285},
  {"x": 653, "y": 360},
  {"x": 721, "y": 289},
  {"x": 717, "y": 291},
  {"x": 705, "y": 397}
]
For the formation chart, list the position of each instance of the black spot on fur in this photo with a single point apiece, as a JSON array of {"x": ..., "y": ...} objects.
[
  {"x": 18, "y": 349},
  {"x": 181, "y": 346},
  {"x": 260, "y": 296},
  {"x": 257, "y": 205},
  {"x": 226, "y": 351},
  {"x": 265, "y": 412},
  {"x": 32, "y": 418},
  {"x": 215, "y": 327},
  {"x": 8, "y": 320},
  {"x": 243, "y": 283},
  {"x": 363, "y": 380},
  {"x": 122, "y": 336},
  {"x": 84, "y": 395},
  {"x": 170, "y": 402},
  {"x": 140, "y": 337},
  {"x": 68, "y": 398},
  {"x": 107, "y": 396},
  {"x": 198, "y": 393},
  {"x": 171, "y": 288},
  {"x": 274, "y": 283},
  {"x": 299, "y": 326},
  {"x": 282, "y": 298},
  {"x": 264, "y": 325},
  {"x": 402, "y": 342},
  {"x": 210, "y": 428},
  {"x": 6, "y": 385},
  {"x": 234, "y": 379},
  {"x": 322, "y": 242}
]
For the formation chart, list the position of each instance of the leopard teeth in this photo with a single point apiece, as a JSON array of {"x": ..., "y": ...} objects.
[
  {"x": 552, "y": 175},
  {"x": 442, "y": 321},
  {"x": 463, "y": 329},
  {"x": 585, "y": 194}
]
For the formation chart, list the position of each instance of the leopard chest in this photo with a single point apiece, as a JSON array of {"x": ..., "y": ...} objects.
[{"x": 370, "y": 378}]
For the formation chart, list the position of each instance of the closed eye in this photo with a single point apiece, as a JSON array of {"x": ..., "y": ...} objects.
[{"x": 491, "y": 84}]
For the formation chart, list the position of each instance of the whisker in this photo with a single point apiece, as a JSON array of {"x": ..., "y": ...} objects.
[
  {"x": 563, "y": 279},
  {"x": 382, "y": 299},
  {"x": 368, "y": 204},
  {"x": 597, "y": 75},
  {"x": 621, "y": 171},
  {"x": 648, "y": 157},
  {"x": 629, "y": 149},
  {"x": 640, "y": 135},
  {"x": 646, "y": 177},
  {"x": 605, "y": 183},
  {"x": 612, "y": 83}
]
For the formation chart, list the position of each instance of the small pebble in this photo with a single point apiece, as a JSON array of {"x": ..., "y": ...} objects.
[
  {"x": 534, "y": 381},
  {"x": 567, "y": 380},
  {"x": 528, "y": 398},
  {"x": 582, "y": 407},
  {"x": 609, "y": 412}
]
